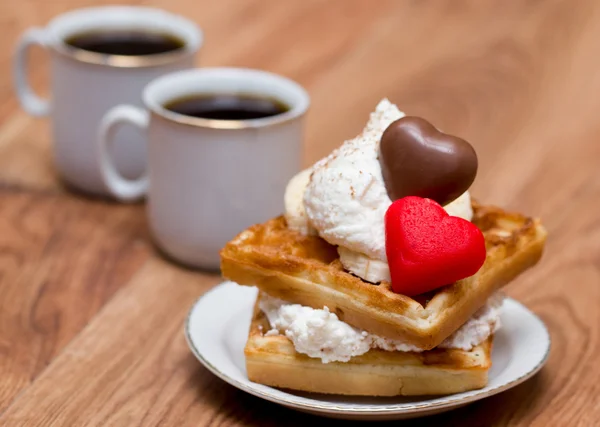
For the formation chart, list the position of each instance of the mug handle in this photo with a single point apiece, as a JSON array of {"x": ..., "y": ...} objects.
[
  {"x": 32, "y": 103},
  {"x": 125, "y": 190}
]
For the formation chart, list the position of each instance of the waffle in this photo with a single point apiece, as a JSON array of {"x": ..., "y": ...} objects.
[
  {"x": 306, "y": 270},
  {"x": 272, "y": 360}
]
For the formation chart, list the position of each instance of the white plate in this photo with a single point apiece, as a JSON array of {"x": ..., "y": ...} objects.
[{"x": 217, "y": 327}]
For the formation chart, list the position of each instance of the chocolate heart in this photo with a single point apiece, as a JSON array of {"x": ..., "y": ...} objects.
[{"x": 418, "y": 160}]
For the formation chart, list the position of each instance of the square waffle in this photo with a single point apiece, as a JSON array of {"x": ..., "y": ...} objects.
[
  {"x": 272, "y": 360},
  {"x": 306, "y": 270}
]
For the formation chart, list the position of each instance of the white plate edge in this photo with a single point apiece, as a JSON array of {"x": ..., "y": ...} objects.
[{"x": 365, "y": 410}]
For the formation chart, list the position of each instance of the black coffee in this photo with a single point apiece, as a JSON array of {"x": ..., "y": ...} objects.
[
  {"x": 125, "y": 42},
  {"x": 227, "y": 107}
]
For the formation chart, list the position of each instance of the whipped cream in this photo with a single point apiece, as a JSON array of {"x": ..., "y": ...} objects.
[
  {"x": 316, "y": 333},
  {"x": 320, "y": 333},
  {"x": 345, "y": 199}
]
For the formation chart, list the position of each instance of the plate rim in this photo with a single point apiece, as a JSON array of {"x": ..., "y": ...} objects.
[{"x": 364, "y": 410}]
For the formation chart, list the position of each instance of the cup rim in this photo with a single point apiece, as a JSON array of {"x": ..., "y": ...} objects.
[
  {"x": 298, "y": 109},
  {"x": 58, "y": 44}
]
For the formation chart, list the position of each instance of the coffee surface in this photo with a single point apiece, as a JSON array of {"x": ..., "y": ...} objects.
[
  {"x": 125, "y": 42},
  {"x": 227, "y": 107}
]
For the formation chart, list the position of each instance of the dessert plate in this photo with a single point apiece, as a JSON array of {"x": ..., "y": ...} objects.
[{"x": 217, "y": 327}]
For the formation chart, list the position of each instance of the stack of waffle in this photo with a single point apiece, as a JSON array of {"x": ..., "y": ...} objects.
[{"x": 306, "y": 270}]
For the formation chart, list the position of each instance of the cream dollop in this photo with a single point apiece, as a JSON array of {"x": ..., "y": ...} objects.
[
  {"x": 320, "y": 334},
  {"x": 316, "y": 333},
  {"x": 345, "y": 199}
]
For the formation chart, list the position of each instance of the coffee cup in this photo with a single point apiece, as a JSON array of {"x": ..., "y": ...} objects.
[
  {"x": 101, "y": 57},
  {"x": 222, "y": 146}
]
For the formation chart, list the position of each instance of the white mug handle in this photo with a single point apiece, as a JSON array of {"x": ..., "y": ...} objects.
[
  {"x": 125, "y": 190},
  {"x": 30, "y": 102}
]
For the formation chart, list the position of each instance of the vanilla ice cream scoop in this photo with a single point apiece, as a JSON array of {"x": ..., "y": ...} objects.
[{"x": 346, "y": 199}]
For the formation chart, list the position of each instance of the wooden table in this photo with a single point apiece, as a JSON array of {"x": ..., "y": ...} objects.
[{"x": 91, "y": 317}]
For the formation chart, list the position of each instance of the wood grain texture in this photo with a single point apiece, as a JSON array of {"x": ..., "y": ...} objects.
[
  {"x": 61, "y": 259},
  {"x": 518, "y": 79}
]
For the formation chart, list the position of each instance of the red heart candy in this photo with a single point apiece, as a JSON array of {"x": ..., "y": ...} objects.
[{"x": 427, "y": 248}]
